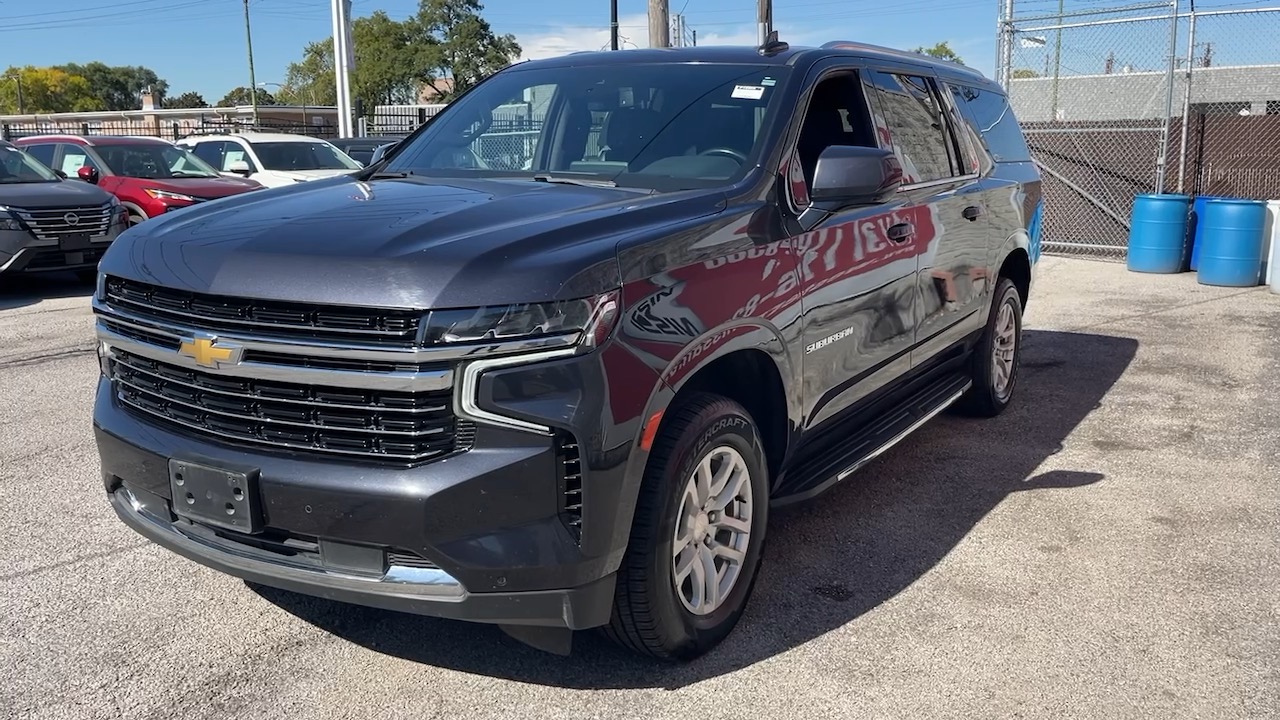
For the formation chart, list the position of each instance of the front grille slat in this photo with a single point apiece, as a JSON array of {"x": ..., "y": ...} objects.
[
  {"x": 51, "y": 223},
  {"x": 399, "y": 427},
  {"x": 266, "y": 318}
]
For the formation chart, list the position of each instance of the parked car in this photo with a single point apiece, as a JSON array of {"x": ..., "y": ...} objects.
[
  {"x": 273, "y": 159},
  {"x": 362, "y": 149},
  {"x": 150, "y": 176},
  {"x": 50, "y": 223},
  {"x": 567, "y": 397}
]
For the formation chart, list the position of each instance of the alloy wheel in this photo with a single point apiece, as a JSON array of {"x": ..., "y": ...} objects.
[{"x": 713, "y": 530}]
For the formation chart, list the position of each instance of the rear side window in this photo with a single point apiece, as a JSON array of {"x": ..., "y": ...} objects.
[
  {"x": 916, "y": 125},
  {"x": 43, "y": 153},
  {"x": 994, "y": 120}
]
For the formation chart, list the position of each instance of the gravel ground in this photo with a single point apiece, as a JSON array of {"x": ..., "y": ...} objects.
[{"x": 1107, "y": 548}]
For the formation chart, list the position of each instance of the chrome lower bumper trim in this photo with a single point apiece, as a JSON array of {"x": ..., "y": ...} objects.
[{"x": 428, "y": 584}]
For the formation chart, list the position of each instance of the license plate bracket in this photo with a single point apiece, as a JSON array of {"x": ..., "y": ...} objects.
[
  {"x": 215, "y": 496},
  {"x": 75, "y": 243}
]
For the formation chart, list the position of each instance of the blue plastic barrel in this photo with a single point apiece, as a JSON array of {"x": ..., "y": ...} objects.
[
  {"x": 1196, "y": 231},
  {"x": 1158, "y": 233},
  {"x": 1232, "y": 242}
]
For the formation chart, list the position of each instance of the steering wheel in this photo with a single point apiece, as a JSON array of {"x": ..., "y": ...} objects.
[{"x": 727, "y": 152}]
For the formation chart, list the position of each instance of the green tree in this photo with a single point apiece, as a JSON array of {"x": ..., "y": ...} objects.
[
  {"x": 941, "y": 51},
  {"x": 187, "y": 100},
  {"x": 1024, "y": 74},
  {"x": 46, "y": 90},
  {"x": 119, "y": 87},
  {"x": 458, "y": 44},
  {"x": 385, "y": 70},
  {"x": 242, "y": 96}
]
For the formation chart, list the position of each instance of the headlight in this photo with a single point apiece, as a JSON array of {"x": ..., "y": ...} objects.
[
  {"x": 7, "y": 220},
  {"x": 593, "y": 317},
  {"x": 166, "y": 195}
]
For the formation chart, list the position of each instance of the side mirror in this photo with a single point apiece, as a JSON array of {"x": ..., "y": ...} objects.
[
  {"x": 88, "y": 174},
  {"x": 852, "y": 175},
  {"x": 239, "y": 167}
]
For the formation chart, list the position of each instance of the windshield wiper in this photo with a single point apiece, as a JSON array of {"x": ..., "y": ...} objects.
[
  {"x": 387, "y": 174},
  {"x": 549, "y": 178}
]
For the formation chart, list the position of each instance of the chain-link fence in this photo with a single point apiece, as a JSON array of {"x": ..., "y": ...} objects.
[{"x": 1117, "y": 102}]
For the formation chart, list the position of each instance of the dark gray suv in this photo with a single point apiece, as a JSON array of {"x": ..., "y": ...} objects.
[
  {"x": 50, "y": 223},
  {"x": 565, "y": 394}
]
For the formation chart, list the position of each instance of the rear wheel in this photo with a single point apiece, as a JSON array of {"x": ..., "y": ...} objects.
[
  {"x": 698, "y": 533},
  {"x": 995, "y": 360}
]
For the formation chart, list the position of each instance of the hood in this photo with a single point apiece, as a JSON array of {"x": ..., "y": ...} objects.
[
  {"x": 65, "y": 193},
  {"x": 413, "y": 242},
  {"x": 214, "y": 187}
]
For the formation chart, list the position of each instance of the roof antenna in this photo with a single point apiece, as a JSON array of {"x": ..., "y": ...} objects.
[{"x": 772, "y": 45}]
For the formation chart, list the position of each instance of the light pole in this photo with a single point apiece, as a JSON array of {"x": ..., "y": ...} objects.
[{"x": 253, "y": 86}]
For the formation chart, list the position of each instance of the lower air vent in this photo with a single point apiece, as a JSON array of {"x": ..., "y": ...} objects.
[
  {"x": 404, "y": 558},
  {"x": 570, "y": 468}
]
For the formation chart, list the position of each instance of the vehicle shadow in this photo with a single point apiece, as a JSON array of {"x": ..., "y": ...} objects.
[
  {"x": 23, "y": 290},
  {"x": 828, "y": 561}
]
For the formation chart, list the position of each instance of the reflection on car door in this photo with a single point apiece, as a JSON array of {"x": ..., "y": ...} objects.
[
  {"x": 941, "y": 178},
  {"x": 857, "y": 265}
]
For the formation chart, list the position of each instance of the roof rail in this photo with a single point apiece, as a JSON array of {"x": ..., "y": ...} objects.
[{"x": 895, "y": 52}]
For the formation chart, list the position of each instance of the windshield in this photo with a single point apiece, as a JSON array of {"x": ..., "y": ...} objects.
[
  {"x": 303, "y": 156},
  {"x": 16, "y": 166},
  {"x": 661, "y": 126},
  {"x": 154, "y": 161}
]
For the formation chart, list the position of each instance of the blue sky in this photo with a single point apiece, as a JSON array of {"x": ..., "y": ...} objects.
[{"x": 200, "y": 44}]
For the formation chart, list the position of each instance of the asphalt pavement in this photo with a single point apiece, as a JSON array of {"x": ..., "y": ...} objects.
[{"x": 1108, "y": 548}]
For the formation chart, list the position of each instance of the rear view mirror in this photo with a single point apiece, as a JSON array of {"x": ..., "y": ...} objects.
[
  {"x": 88, "y": 173},
  {"x": 239, "y": 167},
  {"x": 852, "y": 175}
]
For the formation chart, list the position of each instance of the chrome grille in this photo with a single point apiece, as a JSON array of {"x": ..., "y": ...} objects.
[
  {"x": 264, "y": 318},
  {"x": 56, "y": 223},
  {"x": 400, "y": 427}
]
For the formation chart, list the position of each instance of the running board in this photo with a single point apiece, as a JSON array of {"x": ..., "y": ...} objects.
[{"x": 816, "y": 475}]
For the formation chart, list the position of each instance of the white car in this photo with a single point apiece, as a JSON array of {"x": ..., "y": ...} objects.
[{"x": 272, "y": 159}]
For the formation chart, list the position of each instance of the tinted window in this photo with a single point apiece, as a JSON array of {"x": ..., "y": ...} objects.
[
  {"x": 302, "y": 156},
  {"x": 210, "y": 152},
  {"x": 916, "y": 126},
  {"x": 17, "y": 166},
  {"x": 42, "y": 152},
  {"x": 994, "y": 120},
  {"x": 661, "y": 126},
  {"x": 153, "y": 160}
]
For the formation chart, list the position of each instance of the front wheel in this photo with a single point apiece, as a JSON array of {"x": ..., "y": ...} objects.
[
  {"x": 698, "y": 533},
  {"x": 995, "y": 360}
]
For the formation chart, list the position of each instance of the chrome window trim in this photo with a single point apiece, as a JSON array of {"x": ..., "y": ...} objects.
[
  {"x": 347, "y": 351},
  {"x": 936, "y": 183},
  {"x": 423, "y": 380},
  {"x": 466, "y": 400}
]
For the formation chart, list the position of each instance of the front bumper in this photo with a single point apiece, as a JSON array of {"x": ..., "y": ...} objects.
[
  {"x": 20, "y": 252},
  {"x": 486, "y": 524}
]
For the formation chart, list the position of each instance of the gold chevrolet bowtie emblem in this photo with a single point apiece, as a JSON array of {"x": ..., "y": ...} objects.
[{"x": 208, "y": 353}]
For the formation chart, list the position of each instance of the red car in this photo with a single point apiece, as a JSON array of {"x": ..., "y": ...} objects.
[{"x": 150, "y": 176}]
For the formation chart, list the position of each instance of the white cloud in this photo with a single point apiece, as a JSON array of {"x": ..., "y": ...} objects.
[{"x": 633, "y": 31}]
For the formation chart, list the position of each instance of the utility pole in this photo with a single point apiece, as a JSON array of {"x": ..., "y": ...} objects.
[
  {"x": 342, "y": 64},
  {"x": 613, "y": 24},
  {"x": 695, "y": 37},
  {"x": 17, "y": 78},
  {"x": 253, "y": 84},
  {"x": 764, "y": 17},
  {"x": 659, "y": 23}
]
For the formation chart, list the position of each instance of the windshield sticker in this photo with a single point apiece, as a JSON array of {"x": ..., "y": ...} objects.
[
  {"x": 768, "y": 82},
  {"x": 748, "y": 92}
]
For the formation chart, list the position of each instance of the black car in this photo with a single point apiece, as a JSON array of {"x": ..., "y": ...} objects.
[
  {"x": 364, "y": 149},
  {"x": 566, "y": 396},
  {"x": 48, "y": 223}
]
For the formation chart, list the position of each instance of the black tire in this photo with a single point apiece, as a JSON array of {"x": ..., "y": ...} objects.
[
  {"x": 648, "y": 615},
  {"x": 986, "y": 398}
]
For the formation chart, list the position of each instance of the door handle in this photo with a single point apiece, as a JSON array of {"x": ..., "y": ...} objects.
[
  {"x": 971, "y": 213},
  {"x": 901, "y": 232}
]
